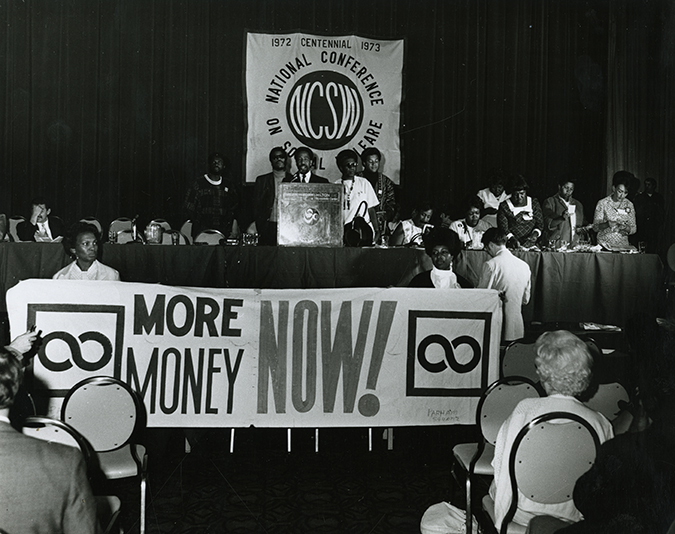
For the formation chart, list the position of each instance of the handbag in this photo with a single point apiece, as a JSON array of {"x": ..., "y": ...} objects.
[
  {"x": 357, "y": 232},
  {"x": 445, "y": 518}
]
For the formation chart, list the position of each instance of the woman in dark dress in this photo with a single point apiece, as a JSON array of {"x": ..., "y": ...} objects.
[{"x": 443, "y": 246}]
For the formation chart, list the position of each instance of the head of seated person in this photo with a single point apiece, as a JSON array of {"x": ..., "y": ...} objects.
[
  {"x": 518, "y": 187},
  {"x": 11, "y": 376},
  {"x": 410, "y": 231},
  {"x": 81, "y": 244},
  {"x": 443, "y": 246},
  {"x": 564, "y": 363},
  {"x": 497, "y": 180}
]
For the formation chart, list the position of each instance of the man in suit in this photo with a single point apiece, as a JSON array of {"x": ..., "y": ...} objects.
[
  {"x": 304, "y": 161},
  {"x": 265, "y": 198},
  {"x": 563, "y": 215},
  {"x": 40, "y": 227},
  {"x": 44, "y": 486},
  {"x": 511, "y": 277}
]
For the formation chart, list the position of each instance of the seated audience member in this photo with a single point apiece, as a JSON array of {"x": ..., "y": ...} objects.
[
  {"x": 471, "y": 228},
  {"x": 614, "y": 218},
  {"x": 411, "y": 231},
  {"x": 564, "y": 368},
  {"x": 82, "y": 245},
  {"x": 649, "y": 216},
  {"x": 511, "y": 277},
  {"x": 563, "y": 214},
  {"x": 304, "y": 162},
  {"x": 3, "y": 226},
  {"x": 493, "y": 196},
  {"x": 359, "y": 198},
  {"x": 265, "y": 201},
  {"x": 382, "y": 185},
  {"x": 44, "y": 486},
  {"x": 519, "y": 216},
  {"x": 213, "y": 200},
  {"x": 631, "y": 486},
  {"x": 443, "y": 246},
  {"x": 40, "y": 226}
]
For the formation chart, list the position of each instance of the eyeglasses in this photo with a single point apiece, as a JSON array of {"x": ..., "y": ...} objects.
[
  {"x": 278, "y": 156},
  {"x": 351, "y": 165},
  {"x": 441, "y": 252}
]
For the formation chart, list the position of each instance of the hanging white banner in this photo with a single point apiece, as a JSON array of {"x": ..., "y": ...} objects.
[
  {"x": 326, "y": 93},
  {"x": 269, "y": 358}
]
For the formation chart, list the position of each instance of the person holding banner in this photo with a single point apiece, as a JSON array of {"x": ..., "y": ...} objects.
[
  {"x": 44, "y": 486},
  {"x": 359, "y": 200},
  {"x": 443, "y": 246},
  {"x": 305, "y": 161},
  {"x": 265, "y": 197},
  {"x": 212, "y": 201},
  {"x": 511, "y": 277},
  {"x": 81, "y": 244}
]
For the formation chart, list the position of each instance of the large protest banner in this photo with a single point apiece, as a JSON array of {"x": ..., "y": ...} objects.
[
  {"x": 327, "y": 93},
  {"x": 269, "y": 358}
]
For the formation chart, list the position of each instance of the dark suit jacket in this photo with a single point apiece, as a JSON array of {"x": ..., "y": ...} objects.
[
  {"x": 424, "y": 280},
  {"x": 264, "y": 198},
  {"x": 313, "y": 179},
  {"x": 555, "y": 226},
  {"x": 26, "y": 231},
  {"x": 44, "y": 487}
]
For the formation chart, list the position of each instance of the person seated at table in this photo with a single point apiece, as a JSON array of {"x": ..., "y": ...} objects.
[
  {"x": 265, "y": 197},
  {"x": 305, "y": 162},
  {"x": 445, "y": 212},
  {"x": 614, "y": 218},
  {"x": 81, "y": 244},
  {"x": 471, "y": 228},
  {"x": 40, "y": 226},
  {"x": 493, "y": 195},
  {"x": 382, "y": 185},
  {"x": 520, "y": 216},
  {"x": 631, "y": 485},
  {"x": 443, "y": 246},
  {"x": 563, "y": 214},
  {"x": 359, "y": 209},
  {"x": 44, "y": 486},
  {"x": 411, "y": 231},
  {"x": 213, "y": 200},
  {"x": 564, "y": 367},
  {"x": 511, "y": 277}
]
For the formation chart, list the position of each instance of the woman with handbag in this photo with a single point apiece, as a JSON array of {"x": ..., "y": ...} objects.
[{"x": 359, "y": 203}]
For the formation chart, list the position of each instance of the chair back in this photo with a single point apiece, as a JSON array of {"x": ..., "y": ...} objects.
[
  {"x": 163, "y": 223},
  {"x": 120, "y": 224},
  {"x": 186, "y": 230},
  {"x": 671, "y": 257},
  {"x": 94, "y": 222},
  {"x": 55, "y": 431},
  {"x": 209, "y": 237},
  {"x": 547, "y": 458},
  {"x": 104, "y": 410},
  {"x": 12, "y": 223},
  {"x": 125, "y": 236},
  {"x": 606, "y": 399},
  {"x": 168, "y": 237},
  {"x": 498, "y": 402},
  {"x": 519, "y": 361}
]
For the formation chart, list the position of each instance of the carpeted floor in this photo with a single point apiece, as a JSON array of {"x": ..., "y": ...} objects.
[{"x": 261, "y": 488}]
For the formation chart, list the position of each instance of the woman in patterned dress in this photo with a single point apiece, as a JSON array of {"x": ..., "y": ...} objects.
[{"x": 614, "y": 218}]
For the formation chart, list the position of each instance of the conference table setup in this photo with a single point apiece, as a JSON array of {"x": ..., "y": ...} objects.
[{"x": 600, "y": 287}]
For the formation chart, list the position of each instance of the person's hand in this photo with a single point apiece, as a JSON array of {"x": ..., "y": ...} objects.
[
  {"x": 513, "y": 243},
  {"x": 24, "y": 342},
  {"x": 37, "y": 211},
  {"x": 502, "y": 296}
]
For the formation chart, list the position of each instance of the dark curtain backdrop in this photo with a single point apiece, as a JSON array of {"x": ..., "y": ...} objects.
[{"x": 110, "y": 107}]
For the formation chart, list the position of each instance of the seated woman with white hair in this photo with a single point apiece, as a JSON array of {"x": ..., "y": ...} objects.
[{"x": 564, "y": 368}]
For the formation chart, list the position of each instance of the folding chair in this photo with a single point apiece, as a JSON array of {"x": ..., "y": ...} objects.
[
  {"x": 606, "y": 400},
  {"x": 494, "y": 407},
  {"x": 94, "y": 222},
  {"x": 55, "y": 431},
  {"x": 519, "y": 361},
  {"x": 547, "y": 458},
  {"x": 209, "y": 237},
  {"x": 12, "y": 223},
  {"x": 186, "y": 230},
  {"x": 168, "y": 237},
  {"x": 120, "y": 224},
  {"x": 109, "y": 414},
  {"x": 163, "y": 223}
]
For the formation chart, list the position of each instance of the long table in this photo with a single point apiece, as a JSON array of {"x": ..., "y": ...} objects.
[{"x": 566, "y": 287}]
